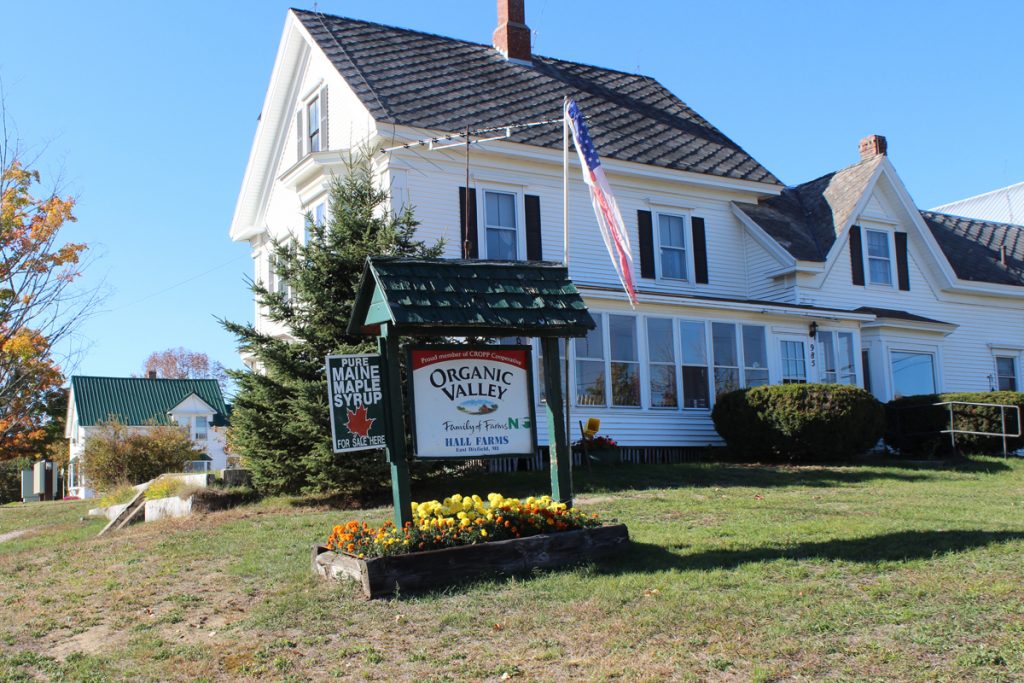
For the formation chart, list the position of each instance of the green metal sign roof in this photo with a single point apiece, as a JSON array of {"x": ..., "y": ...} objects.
[
  {"x": 436, "y": 297},
  {"x": 140, "y": 401}
]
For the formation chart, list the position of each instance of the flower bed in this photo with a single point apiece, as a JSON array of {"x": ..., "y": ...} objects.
[
  {"x": 465, "y": 537},
  {"x": 460, "y": 520}
]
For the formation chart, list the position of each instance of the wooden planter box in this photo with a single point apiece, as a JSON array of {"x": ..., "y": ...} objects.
[{"x": 380, "y": 576}]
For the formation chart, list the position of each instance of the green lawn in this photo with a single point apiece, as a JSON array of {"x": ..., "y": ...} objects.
[{"x": 736, "y": 573}]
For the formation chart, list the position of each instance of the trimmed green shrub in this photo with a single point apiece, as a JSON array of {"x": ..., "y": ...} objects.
[
  {"x": 799, "y": 422},
  {"x": 914, "y": 423}
]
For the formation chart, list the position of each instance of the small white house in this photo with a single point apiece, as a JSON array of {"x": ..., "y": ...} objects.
[{"x": 141, "y": 403}]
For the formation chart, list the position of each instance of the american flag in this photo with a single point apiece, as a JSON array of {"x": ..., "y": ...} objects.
[{"x": 616, "y": 239}]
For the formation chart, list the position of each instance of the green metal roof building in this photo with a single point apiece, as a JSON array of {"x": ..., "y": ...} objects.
[{"x": 143, "y": 402}]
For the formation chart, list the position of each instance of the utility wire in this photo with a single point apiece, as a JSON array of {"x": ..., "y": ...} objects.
[{"x": 174, "y": 286}]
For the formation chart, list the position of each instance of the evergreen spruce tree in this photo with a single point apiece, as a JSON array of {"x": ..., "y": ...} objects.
[{"x": 280, "y": 423}]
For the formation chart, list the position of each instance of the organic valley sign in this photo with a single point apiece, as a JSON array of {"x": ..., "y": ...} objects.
[
  {"x": 356, "y": 396},
  {"x": 472, "y": 401}
]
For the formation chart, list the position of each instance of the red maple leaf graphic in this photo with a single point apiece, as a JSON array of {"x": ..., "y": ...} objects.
[{"x": 358, "y": 423}]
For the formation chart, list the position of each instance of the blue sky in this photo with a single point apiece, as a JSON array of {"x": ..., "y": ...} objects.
[{"x": 147, "y": 110}]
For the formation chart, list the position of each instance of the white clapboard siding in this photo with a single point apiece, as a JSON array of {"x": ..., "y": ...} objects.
[
  {"x": 984, "y": 321},
  {"x": 432, "y": 190},
  {"x": 759, "y": 264}
]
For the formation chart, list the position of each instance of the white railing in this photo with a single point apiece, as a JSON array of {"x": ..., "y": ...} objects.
[{"x": 953, "y": 431}]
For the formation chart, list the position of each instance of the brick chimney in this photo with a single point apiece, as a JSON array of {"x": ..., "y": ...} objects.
[
  {"x": 512, "y": 37},
  {"x": 873, "y": 146}
]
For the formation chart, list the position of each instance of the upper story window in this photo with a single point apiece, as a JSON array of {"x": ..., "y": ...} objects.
[
  {"x": 879, "y": 257},
  {"x": 202, "y": 427},
  {"x": 501, "y": 226},
  {"x": 318, "y": 216},
  {"x": 672, "y": 246},
  {"x": 313, "y": 125},
  {"x": 1006, "y": 373}
]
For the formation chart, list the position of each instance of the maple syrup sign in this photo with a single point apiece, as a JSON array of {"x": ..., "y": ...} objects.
[
  {"x": 472, "y": 401},
  {"x": 356, "y": 396}
]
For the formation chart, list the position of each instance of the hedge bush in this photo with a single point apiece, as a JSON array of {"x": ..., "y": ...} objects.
[
  {"x": 799, "y": 422},
  {"x": 117, "y": 454},
  {"x": 914, "y": 423}
]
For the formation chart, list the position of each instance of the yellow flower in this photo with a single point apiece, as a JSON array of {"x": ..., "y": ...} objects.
[{"x": 483, "y": 532}]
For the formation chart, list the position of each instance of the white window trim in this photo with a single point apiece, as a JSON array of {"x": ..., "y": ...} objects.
[
  {"x": 574, "y": 359},
  {"x": 304, "y": 102},
  {"x": 645, "y": 364},
  {"x": 819, "y": 366},
  {"x": 306, "y": 129},
  {"x": 520, "y": 204},
  {"x": 709, "y": 361},
  {"x": 195, "y": 427},
  {"x": 891, "y": 242},
  {"x": 686, "y": 215},
  {"x": 805, "y": 340},
  {"x": 639, "y": 362},
  {"x": 913, "y": 348},
  {"x": 1014, "y": 356}
]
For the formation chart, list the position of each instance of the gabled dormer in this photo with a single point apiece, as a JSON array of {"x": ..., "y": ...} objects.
[{"x": 858, "y": 230}]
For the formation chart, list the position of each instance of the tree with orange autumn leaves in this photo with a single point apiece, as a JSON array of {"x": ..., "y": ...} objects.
[{"x": 38, "y": 306}]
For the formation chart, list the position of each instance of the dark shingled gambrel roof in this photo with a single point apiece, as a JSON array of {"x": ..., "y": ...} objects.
[
  {"x": 436, "y": 83},
  {"x": 437, "y": 297},
  {"x": 140, "y": 401},
  {"x": 973, "y": 247},
  {"x": 805, "y": 219}
]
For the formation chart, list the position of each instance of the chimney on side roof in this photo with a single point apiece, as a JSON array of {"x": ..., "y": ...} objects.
[
  {"x": 873, "y": 146},
  {"x": 151, "y": 374},
  {"x": 512, "y": 37}
]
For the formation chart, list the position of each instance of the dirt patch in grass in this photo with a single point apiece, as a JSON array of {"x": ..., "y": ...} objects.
[
  {"x": 95, "y": 640},
  {"x": 11, "y": 535}
]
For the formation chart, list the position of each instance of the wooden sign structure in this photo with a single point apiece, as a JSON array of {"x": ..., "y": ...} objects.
[{"x": 435, "y": 299}]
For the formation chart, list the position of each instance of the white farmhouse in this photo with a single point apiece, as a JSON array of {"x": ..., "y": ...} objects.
[
  {"x": 140, "y": 403},
  {"x": 742, "y": 280}
]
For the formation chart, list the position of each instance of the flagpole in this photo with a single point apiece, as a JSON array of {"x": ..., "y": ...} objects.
[
  {"x": 565, "y": 184},
  {"x": 565, "y": 260}
]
